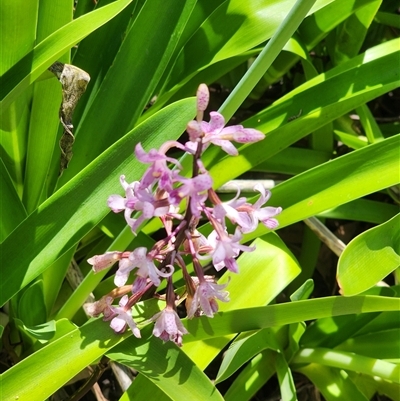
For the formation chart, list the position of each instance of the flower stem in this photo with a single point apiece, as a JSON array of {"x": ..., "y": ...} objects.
[{"x": 284, "y": 32}]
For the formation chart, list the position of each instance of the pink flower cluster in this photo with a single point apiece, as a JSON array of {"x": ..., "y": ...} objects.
[{"x": 160, "y": 193}]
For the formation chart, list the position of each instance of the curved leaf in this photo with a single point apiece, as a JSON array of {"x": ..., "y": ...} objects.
[
  {"x": 10, "y": 202},
  {"x": 349, "y": 361},
  {"x": 62, "y": 359},
  {"x": 370, "y": 257},
  {"x": 130, "y": 81},
  {"x": 322, "y": 99},
  {"x": 44, "y": 118},
  {"x": 169, "y": 368},
  {"x": 281, "y": 314},
  {"x": 45, "y": 371},
  {"x": 29, "y": 68},
  {"x": 244, "y": 348},
  {"x": 252, "y": 377},
  {"x": 383, "y": 344},
  {"x": 61, "y": 221},
  {"x": 333, "y": 383}
]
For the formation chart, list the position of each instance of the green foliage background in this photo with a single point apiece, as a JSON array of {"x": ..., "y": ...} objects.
[{"x": 146, "y": 59}]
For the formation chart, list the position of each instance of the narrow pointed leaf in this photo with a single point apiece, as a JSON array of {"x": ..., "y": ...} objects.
[{"x": 61, "y": 221}]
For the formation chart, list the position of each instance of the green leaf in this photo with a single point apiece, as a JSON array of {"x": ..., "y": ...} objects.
[
  {"x": 169, "y": 368},
  {"x": 96, "y": 52},
  {"x": 15, "y": 80},
  {"x": 345, "y": 42},
  {"x": 370, "y": 257},
  {"x": 246, "y": 25},
  {"x": 61, "y": 221},
  {"x": 252, "y": 377},
  {"x": 42, "y": 332},
  {"x": 363, "y": 210},
  {"x": 143, "y": 388},
  {"x": 18, "y": 20},
  {"x": 355, "y": 175},
  {"x": 385, "y": 321},
  {"x": 304, "y": 291},
  {"x": 31, "y": 306},
  {"x": 10, "y": 203},
  {"x": 285, "y": 378},
  {"x": 388, "y": 19},
  {"x": 383, "y": 344},
  {"x": 52, "y": 366},
  {"x": 281, "y": 314},
  {"x": 334, "y": 384},
  {"x": 48, "y": 369},
  {"x": 44, "y": 117},
  {"x": 349, "y": 361},
  {"x": 264, "y": 60},
  {"x": 322, "y": 99},
  {"x": 245, "y": 347},
  {"x": 370, "y": 385},
  {"x": 332, "y": 331},
  {"x": 130, "y": 81}
]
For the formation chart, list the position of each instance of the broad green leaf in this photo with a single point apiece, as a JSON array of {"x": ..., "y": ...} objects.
[
  {"x": 10, "y": 202},
  {"x": 97, "y": 51},
  {"x": 278, "y": 315},
  {"x": 285, "y": 378},
  {"x": 252, "y": 377},
  {"x": 332, "y": 331},
  {"x": 33, "y": 64},
  {"x": 370, "y": 385},
  {"x": 363, "y": 210},
  {"x": 334, "y": 384},
  {"x": 245, "y": 25},
  {"x": 245, "y": 347},
  {"x": 345, "y": 42},
  {"x": 143, "y": 388},
  {"x": 44, "y": 114},
  {"x": 18, "y": 20},
  {"x": 385, "y": 321},
  {"x": 51, "y": 367},
  {"x": 337, "y": 182},
  {"x": 322, "y": 99},
  {"x": 124, "y": 93},
  {"x": 370, "y": 257},
  {"x": 349, "y": 361},
  {"x": 42, "y": 332},
  {"x": 61, "y": 221},
  {"x": 31, "y": 306},
  {"x": 388, "y": 19},
  {"x": 64, "y": 358},
  {"x": 169, "y": 368},
  {"x": 383, "y": 344}
]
